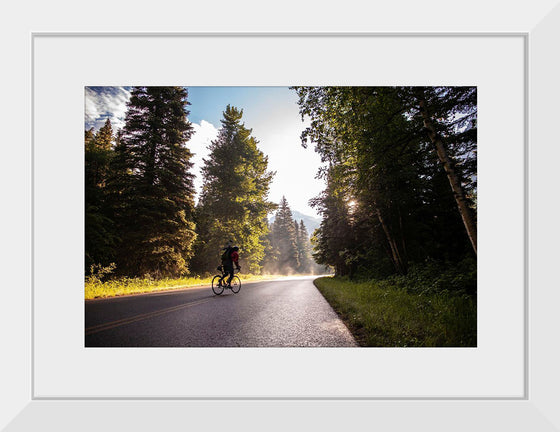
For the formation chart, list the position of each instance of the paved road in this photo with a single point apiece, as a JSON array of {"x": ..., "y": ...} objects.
[{"x": 283, "y": 313}]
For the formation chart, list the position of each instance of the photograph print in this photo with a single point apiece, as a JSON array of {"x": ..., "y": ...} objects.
[{"x": 280, "y": 217}]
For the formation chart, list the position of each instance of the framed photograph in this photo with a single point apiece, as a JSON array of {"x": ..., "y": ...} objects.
[{"x": 508, "y": 380}]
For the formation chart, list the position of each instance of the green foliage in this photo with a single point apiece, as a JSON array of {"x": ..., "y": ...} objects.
[
  {"x": 100, "y": 237},
  {"x": 151, "y": 186},
  {"x": 100, "y": 234},
  {"x": 438, "y": 277},
  {"x": 387, "y": 200},
  {"x": 334, "y": 239},
  {"x": 103, "y": 287},
  {"x": 381, "y": 314},
  {"x": 387, "y": 205},
  {"x": 233, "y": 205},
  {"x": 304, "y": 249},
  {"x": 289, "y": 246},
  {"x": 98, "y": 273},
  {"x": 284, "y": 241}
]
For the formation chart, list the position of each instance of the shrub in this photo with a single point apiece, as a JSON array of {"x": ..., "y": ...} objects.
[
  {"x": 434, "y": 277},
  {"x": 98, "y": 273}
]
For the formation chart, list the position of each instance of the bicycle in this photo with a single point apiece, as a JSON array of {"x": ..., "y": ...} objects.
[{"x": 218, "y": 283}]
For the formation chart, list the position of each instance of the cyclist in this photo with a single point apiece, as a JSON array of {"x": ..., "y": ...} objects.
[{"x": 229, "y": 258}]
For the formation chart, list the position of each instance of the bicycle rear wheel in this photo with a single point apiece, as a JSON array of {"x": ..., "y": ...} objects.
[
  {"x": 217, "y": 285},
  {"x": 235, "y": 284}
]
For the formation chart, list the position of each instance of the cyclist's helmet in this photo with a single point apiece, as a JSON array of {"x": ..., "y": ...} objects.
[{"x": 235, "y": 248}]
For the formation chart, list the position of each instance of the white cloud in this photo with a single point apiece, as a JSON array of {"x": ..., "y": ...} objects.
[
  {"x": 204, "y": 133},
  {"x": 103, "y": 103},
  {"x": 92, "y": 111}
]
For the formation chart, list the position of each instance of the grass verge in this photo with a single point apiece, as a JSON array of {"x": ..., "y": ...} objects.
[
  {"x": 380, "y": 314},
  {"x": 94, "y": 288}
]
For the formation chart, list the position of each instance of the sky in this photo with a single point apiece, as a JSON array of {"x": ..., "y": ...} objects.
[{"x": 271, "y": 112}]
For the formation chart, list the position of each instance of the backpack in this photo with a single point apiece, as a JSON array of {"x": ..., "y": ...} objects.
[{"x": 226, "y": 256}]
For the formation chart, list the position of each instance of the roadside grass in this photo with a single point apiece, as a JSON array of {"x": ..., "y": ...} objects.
[
  {"x": 95, "y": 288},
  {"x": 382, "y": 314}
]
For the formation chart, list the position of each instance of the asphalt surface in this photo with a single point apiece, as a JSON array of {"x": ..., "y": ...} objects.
[{"x": 284, "y": 313}]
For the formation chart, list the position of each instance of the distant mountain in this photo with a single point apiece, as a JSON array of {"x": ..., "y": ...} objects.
[{"x": 310, "y": 222}]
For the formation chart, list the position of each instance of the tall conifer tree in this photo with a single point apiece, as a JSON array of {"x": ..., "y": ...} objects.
[
  {"x": 284, "y": 239},
  {"x": 234, "y": 201},
  {"x": 152, "y": 187},
  {"x": 334, "y": 241},
  {"x": 304, "y": 249},
  {"x": 99, "y": 229}
]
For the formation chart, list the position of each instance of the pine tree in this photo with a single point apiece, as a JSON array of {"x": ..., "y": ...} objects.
[
  {"x": 100, "y": 237},
  {"x": 234, "y": 204},
  {"x": 304, "y": 249},
  {"x": 284, "y": 239},
  {"x": 152, "y": 186},
  {"x": 333, "y": 241},
  {"x": 298, "y": 251}
]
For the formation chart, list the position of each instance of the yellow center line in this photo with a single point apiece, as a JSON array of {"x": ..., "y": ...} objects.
[{"x": 110, "y": 325}]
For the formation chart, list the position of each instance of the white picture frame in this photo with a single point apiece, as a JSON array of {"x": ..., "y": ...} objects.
[{"x": 535, "y": 410}]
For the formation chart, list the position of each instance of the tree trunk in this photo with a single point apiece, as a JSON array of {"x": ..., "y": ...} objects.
[
  {"x": 400, "y": 266},
  {"x": 454, "y": 181},
  {"x": 402, "y": 236}
]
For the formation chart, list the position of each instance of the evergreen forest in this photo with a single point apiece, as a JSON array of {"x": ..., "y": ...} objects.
[
  {"x": 399, "y": 198},
  {"x": 141, "y": 215}
]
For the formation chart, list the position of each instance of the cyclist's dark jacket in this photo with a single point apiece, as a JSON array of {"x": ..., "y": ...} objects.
[{"x": 232, "y": 258}]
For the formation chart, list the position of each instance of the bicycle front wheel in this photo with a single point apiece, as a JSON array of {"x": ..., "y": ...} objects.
[
  {"x": 235, "y": 284},
  {"x": 217, "y": 285}
]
